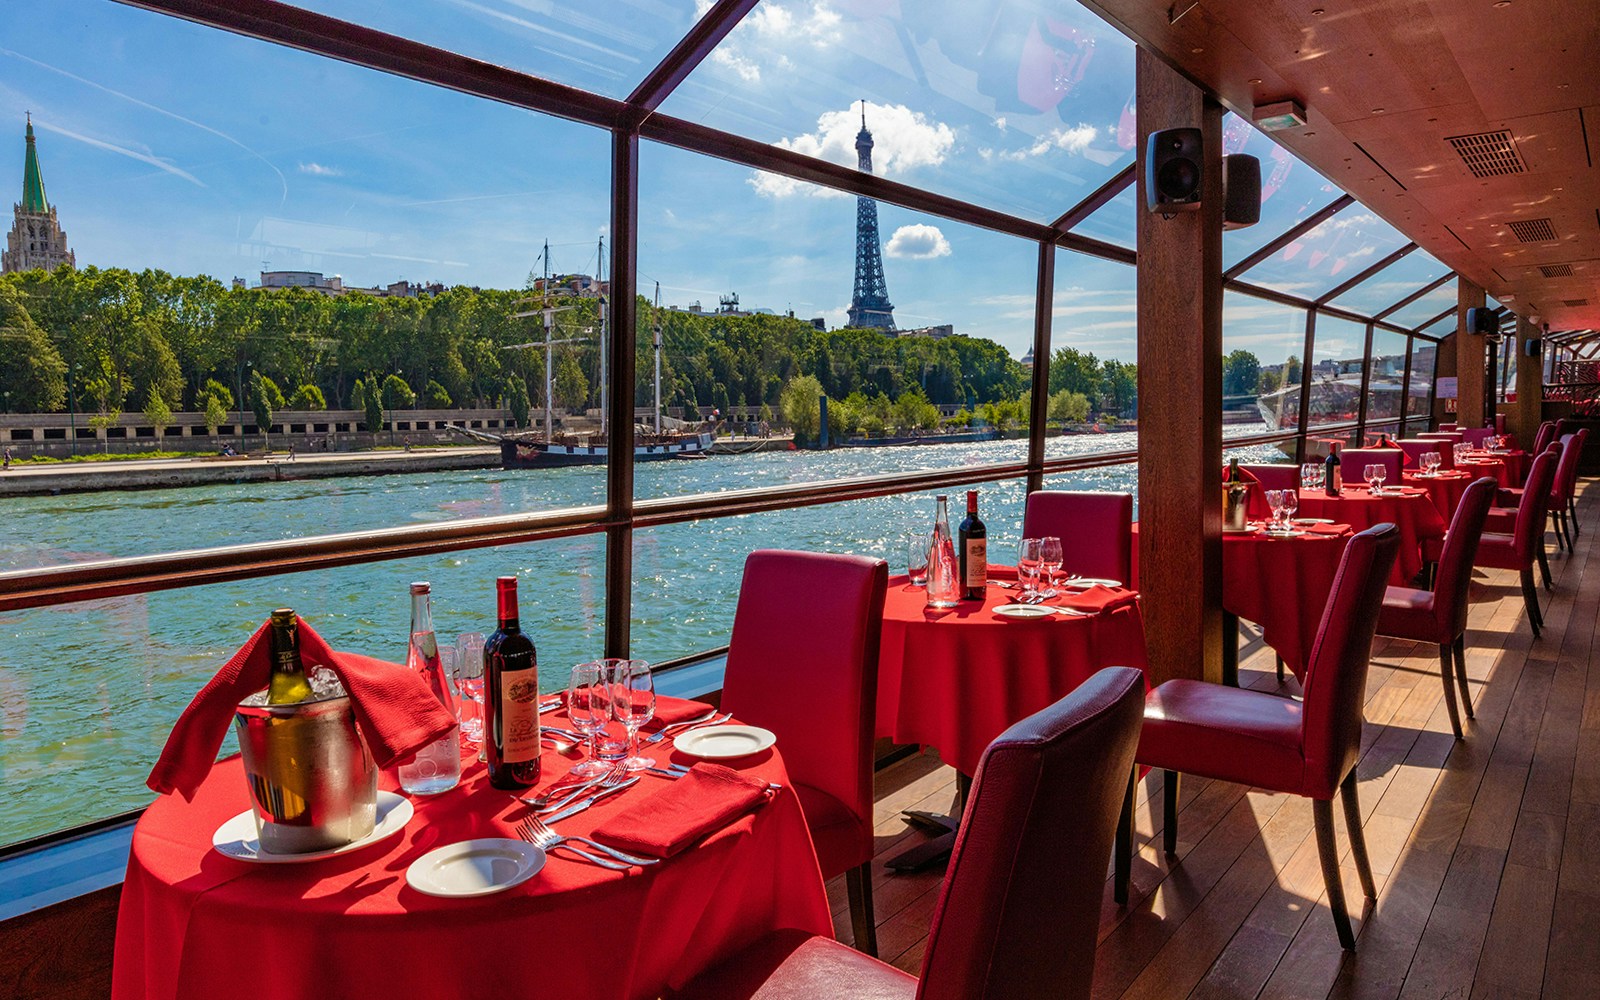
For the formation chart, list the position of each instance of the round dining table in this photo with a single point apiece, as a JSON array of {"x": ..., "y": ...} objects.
[
  {"x": 195, "y": 923},
  {"x": 1445, "y": 488},
  {"x": 954, "y": 679},
  {"x": 1508, "y": 468},
  {"x": 1409, "y": 508}
]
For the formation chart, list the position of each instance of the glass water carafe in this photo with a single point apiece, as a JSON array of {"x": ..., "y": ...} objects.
[
  {"x": 436, "y": 767},
  {"x": 944, "y": 571}
]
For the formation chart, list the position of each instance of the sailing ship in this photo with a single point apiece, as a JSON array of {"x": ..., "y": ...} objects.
[{"x": 661, "y": 439}]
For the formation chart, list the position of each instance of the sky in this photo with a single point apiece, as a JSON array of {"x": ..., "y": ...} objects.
[{"x": 165, "y": 144}]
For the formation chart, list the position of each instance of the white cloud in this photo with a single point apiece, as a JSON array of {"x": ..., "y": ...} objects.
[
  {"x": 1073, "y": 141},
  {"x": 902, "y": 140},
  {"x": 918, "y": 242},
  {"x": 775, "y": 29},
  {"x": 746, "y": 69},
  {"x": 319, "y": 170}
]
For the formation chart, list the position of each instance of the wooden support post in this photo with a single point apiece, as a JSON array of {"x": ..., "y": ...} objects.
[
  {"x": 1523, "y": 416},
  {"x": 1180, "y": 395},
  {"x": 1470, "y": 357}
]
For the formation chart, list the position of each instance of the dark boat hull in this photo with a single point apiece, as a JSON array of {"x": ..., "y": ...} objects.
[{"x": 539, "y": 455}]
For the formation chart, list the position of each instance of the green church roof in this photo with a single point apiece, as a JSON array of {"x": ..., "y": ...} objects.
[{"x": 33, "y": 200}]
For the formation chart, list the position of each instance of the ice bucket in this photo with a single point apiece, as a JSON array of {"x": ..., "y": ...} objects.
[
  {"x": 312, "y": 782},
  {"x": 1235, "y": 497}
]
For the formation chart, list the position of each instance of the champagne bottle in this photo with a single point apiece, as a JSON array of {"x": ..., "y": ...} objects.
[
  {"x": 288, "y": 684},
  {"x": 436, "y": 767},
  {"x": 1233, "y": 471},
  {"x": 511, "y": 697},
  {"x": 974, "y": 552}
]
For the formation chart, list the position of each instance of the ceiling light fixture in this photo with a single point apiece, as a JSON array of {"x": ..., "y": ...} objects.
[{"x": 1279, "y": 116}]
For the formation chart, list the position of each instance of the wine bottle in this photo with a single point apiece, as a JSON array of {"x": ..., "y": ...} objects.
[
  {"x": 1234, "y": 475},
  {"x": 974, "y": 552},
  {"x": 288, "y": 684},
  {"x": 511, "y": 697},
  {"x": 1330, "y": 476},
  {"x": 436, "y": 767}
]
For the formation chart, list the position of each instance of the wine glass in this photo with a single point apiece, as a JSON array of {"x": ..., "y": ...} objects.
[
  {"x": 633, "y": 703},
  {"x": 1275, "y": 502},
  {"x": 1380, "y": 472},
  {"x": 1050, "y": 559},
  {"x": 1291, "y": 503},
  {"x": 917, "y": 557},
  {"x": 1370, "y": 474},
  {"x": 589, "y": 708},
  {"x": 468, "y": 679},
  {"x": 1028, "y": 561},
  {"x": 1311, "y": 475}
]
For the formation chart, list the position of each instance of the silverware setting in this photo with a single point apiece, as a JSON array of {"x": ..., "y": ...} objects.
[
  {"x": 536, "y": 832},
  {"x": 679, "y": 728},
  {"x": 564, "y": 790},
  {"x": 590, "y": 799},
  {"x": 676, "y": 771}
]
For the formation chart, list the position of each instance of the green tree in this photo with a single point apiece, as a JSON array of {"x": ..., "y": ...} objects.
[
  {"x": 1076, "y": 370},
  {"x": 157, "y": 412},
  {"x": 516, "y": 400},
  {"x": 435, "y": 396},
  {"x": 265, "y": 400},
  {"x": 913, "y": 411},
  {"x": 217, "y": 391},
  {"x": 307, "y": 397},
  {"x": 32, "y": 373},
  {"x": 397, "y": 394},
  {"x": 1119, "y": 386},
  {"x": 572, "y": 386},
  {"x": 1241, "y": 370},
  {"x": 358, "y": 394},
  {"x": 372, "y": 402},
  {"x": 216, "y": 414},
  {"x": 1069, "y": 407},
  {"x": 801, "y": 406}
]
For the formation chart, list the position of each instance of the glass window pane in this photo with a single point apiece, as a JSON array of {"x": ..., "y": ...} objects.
[
  {"x": 1427, "y": 307},
  {"x": 1336, "y": 372},
  {"x": 1290, "y": 190},
  {"x": 757, "y": 297},
  {"x": 1424, "y": 355},
  {"x": 604, "y": 46},
  {"x": 1261, "y": 346},
  {"x": 79, "y": 743},
  {"x": 1386, "y": 372},
  {"x": 1115, "y": 221},
  {"x": 1094, "y": 374},
  {"x": 1333, "y": 251},
  {"x": 1411, "y": 272},
  {"x": 1026, "y": 108}
]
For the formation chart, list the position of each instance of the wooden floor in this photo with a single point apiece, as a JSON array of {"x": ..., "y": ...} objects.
[{"x": 1486, "y": 851}]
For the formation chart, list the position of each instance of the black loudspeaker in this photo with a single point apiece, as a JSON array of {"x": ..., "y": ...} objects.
[
  {"x": 1483, "y": 321},
  {"x": 1172, "y": 171},
  {"x": 1532, "y": 346},
  {"x": 1241, "y": 191}
]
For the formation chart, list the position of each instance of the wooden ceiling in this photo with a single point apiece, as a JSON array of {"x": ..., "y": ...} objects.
[{"x": 1388, "y": 83}]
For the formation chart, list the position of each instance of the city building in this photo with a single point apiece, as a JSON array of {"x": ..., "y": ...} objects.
[
  {"x": 334, "y": 285},
  {"x": 36, "y": 239}
]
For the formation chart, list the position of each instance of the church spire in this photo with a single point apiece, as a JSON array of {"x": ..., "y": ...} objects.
[{"x": 33, "y": 200}]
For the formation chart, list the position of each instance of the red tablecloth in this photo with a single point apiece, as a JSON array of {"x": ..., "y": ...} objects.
[
  {"x": 1484, "y": 465},
  {"x": 1412, "y": 512},
  {"x": 1279, "y": 583},
  {"x": 956, "y": 679},
  {"x": 1444, "y": 489},
  {"x": 194, "y": 923}
]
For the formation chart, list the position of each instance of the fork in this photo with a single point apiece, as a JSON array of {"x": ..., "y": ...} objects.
[
  {"x": 549, "y": 840},
  {"x": 684, "y": 727},
  {"x": 545, "y": 832}
]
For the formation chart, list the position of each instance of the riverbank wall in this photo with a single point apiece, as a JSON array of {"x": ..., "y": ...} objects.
[{"x": 136, "y": 474}]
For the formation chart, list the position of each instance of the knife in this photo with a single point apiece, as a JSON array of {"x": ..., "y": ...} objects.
[{"x": 586, "y": 802}]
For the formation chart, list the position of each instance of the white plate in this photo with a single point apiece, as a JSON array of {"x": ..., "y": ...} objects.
[
  {"x": 1313, "y": 520},
  {"x": 475, "y": 867},
  {"x": 1252, "y": 529},
  {"x": 725, "y": 741},
  {"x": 1085, "y": 582},
  {"x": 1024, "y": 611},
  {"x": 237, "y": 838}
]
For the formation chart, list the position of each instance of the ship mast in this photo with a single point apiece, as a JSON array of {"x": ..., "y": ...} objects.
[
  {"x": 599, "y": 268},
  {"x": 657, "y": 338},
  {"x": 549, "y": 343}
]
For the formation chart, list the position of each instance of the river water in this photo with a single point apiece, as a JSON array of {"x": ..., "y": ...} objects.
[{"x": 88, "y": 692}]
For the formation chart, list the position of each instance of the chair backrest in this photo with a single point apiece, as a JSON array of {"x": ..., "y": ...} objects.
[
  {"x": 1567, "y": 468},
  {"x": 1096, "y": 530},
  {"x": 1336, "y": 673},
  {"x": 803, "y": 662},
  {"x": 1529, "y": 530},
  {"x": 1455, "y": 436},
  {"x": 1276, "y": 476},
  {"x": 1449, "y": 427},
  {"x": 1353, "y": 463},
  {"x": 1415, "y": 448},
  {"x": 1476, "y": 436},
  {"x": 1541, "y": 441},
  {"x": 1019, "y": 911},
  {"x": 1460, "y": 548}
]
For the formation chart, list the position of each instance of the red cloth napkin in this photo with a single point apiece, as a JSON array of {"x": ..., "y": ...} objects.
[
  {"x": 707, "y": 798},
  {"x": 670, "y": 710},
  {"x": 1100, "y": 599},
  {"x": 395, "y": 711},
  {"x": 1324, "y": 529}
]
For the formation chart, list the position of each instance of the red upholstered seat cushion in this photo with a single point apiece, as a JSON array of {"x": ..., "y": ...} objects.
[
  {"x": 1501, "y": 521},
  {"x": 1228, "y": 733},
  {"x": 1499, "y": 551},
  {"x": 1409, "y": 614},
  {"x": 839, "y": 836},
  {"x": 1432, "y": 549},
  {"x": 792, "y": 965}
]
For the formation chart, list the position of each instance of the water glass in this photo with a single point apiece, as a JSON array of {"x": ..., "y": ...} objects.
[
  {"x": 1029, "y": 560},
  {"x": 917, "y": 557},
  {"x": 1370, "y": 474},
  {"x": 1311, "y": 476},
  {"x": 589, "y": 708},
  {"x": 1050, "y": 559},
  {"x": 1291, "y": 503},
  {"x": 633, "y": 703},
  {"x": 468, "y": 679},
  {"x": 1275, "y": 501},
  {"x": 1380, "y": 472}
]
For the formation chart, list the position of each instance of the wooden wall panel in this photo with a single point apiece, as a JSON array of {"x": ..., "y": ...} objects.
[
  {"x": 1523, "y": 416},
  {"x": 61, "y": 952},
  {"x": 1470, "y": 357}
]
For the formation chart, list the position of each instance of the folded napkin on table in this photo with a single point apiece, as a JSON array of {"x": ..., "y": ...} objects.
[
  {"x": 1324, "y": 529},
  {"x": 671, "y": 710},
  {"x": 707, "y": 798},
  {"x": 395, "y": 711},
  {"x": 1098, "y": 599}
]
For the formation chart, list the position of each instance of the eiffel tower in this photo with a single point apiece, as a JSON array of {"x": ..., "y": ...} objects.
[{"x": 869, "y": 305}]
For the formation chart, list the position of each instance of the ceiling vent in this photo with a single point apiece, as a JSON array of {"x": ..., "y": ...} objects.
[
  {"x": 1556, "y": 270},
  {"x": 1574, "y": 302},
  {"x": 1533, "y": 231},
  {"x": 1488, "y": 154}
]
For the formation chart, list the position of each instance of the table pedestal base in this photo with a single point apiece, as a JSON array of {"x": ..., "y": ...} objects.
[{"x": 935, "y": 851}]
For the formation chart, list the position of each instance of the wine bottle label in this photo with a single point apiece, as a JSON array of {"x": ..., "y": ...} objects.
[
  {"x": 519, "y": 716},
  {"x": 977, "y": 562}
]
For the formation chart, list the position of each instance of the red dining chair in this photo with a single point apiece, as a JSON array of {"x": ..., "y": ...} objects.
[
  {"x": 1439, "y": 615},
  {"x": 1019, "y": 912},
  {"x": 1477, "y": 437},
  {"x": 1096, "y": 530},
  {"x": 1307, "y": 747},
  {"x": 1568, "y": 449},
  {"x": 1353, "y": 461},
  {"x": 1503, "y": 516},
  {"x": 1523, "y": 545},
  {"x": 812, "y": 679},
  {"x": 1453, "y": 436},
  {"x": 1449, "y": 427},
  {"x": 1275, "y": 476},
  {"x": 1541, "y": 440},
  {"x": 1415, "y": 448}
]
